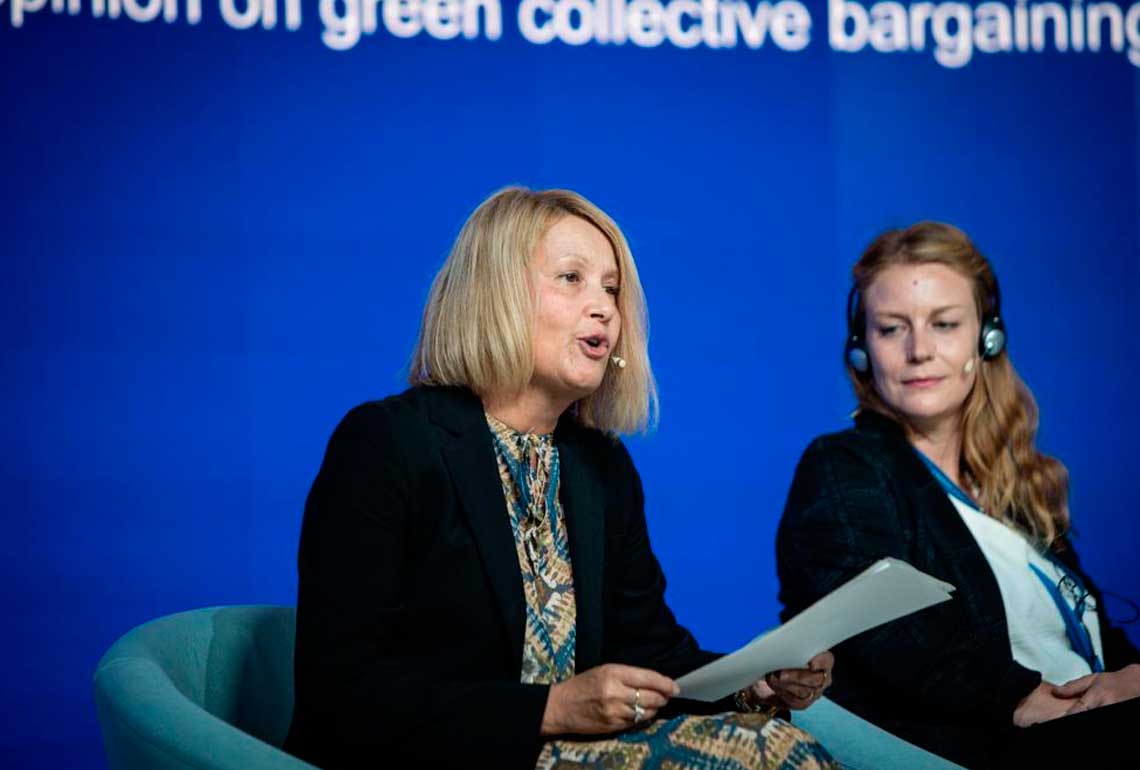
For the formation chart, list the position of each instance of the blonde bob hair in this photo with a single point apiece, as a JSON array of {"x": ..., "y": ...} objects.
[
  {"x": 1018, "y": 484},
  {"x": 477, "y": 325}
]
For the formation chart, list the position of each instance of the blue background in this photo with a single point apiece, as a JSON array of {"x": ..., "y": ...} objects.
[{"x": 216, "y": 242}]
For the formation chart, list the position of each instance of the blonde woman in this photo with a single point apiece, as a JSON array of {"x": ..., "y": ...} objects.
[
  {"x": 477, "y": 587},
  {"x": 941, "y": 470}
]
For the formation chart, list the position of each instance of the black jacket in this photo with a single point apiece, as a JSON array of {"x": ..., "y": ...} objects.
[
  {"x": 410, "y": 606},
  {"x": 943, "y": 678}
]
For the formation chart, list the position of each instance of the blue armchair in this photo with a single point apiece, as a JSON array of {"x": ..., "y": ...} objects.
[
  {"x": 859, "y": 745},
  {"x": 209, "y": 689},
  {"x": 212, "y": 689}
]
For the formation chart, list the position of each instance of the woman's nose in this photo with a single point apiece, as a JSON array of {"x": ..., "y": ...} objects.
[
  {"x": 601, "y": 305},
  {"x": 919, "y": 347},
  {"x": 601, "y": 312}
]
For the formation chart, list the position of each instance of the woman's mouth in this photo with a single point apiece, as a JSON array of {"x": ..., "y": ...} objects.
[
  {"x": 595, "y": 347},
  {"x": 922, "y": 382}
]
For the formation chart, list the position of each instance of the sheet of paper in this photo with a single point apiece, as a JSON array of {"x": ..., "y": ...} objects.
[{"x": 886, "y": 590}]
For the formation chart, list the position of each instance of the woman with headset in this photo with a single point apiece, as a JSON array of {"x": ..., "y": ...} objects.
[{"x": 941, "y": 470}]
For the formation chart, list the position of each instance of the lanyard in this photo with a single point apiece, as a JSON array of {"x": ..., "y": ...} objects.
[
  {"x": 948, "y": 486},
  {"x": 1079, "y": 638}
]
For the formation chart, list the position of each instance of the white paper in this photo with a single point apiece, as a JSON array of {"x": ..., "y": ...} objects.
[{"x": 886, "y": 590}]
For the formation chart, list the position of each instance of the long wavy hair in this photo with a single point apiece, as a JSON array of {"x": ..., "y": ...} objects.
[{"x": 1018, "y": 484}]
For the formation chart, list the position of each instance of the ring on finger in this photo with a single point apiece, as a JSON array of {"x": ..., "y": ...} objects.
[{"x": 638, "y": 713}]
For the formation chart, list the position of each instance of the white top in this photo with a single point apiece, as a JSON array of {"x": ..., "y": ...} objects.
[{"x": 1036, "y": 629}]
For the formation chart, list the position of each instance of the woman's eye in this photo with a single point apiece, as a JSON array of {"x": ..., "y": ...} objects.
[
  {"x": 946, "y": 325},
  {"x": 570, "y": 277},
  {"x": 887, "y": 331},
  {"x": 613, "y": 291}
]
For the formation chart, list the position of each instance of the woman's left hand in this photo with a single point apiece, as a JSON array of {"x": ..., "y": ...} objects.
[
  {"x": 796, "y": 688},
  {"x": 1101, "y": 689}
]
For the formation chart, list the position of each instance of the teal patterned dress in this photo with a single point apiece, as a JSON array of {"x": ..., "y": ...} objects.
[{"x": 529, "y": 470}]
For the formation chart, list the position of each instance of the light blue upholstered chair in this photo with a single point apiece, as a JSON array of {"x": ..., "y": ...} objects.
[
  {"x": 209, "y": 689},
  {"x": 859, "y": 745},
  {"x": 212, "y": 689}
]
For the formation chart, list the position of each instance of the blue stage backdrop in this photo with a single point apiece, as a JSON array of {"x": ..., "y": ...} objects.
[{"x": 219, "y": 220}]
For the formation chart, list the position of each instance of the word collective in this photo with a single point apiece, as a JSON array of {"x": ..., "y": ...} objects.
[{"x": 644, "y": 23}]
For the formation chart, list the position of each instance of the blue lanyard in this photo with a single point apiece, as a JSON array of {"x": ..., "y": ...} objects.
[
  {"x": 1079, "y": 638},
  {"x": 948, "y": 486}
]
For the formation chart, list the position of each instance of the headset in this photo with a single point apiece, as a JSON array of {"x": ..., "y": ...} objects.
[{"x": 991, "y": 340}]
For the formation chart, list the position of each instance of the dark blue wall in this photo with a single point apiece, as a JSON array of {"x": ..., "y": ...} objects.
[{"x": 217, "y": 241}]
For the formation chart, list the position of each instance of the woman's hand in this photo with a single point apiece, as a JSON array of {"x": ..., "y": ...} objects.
[
  {"x": 606, "y": 699},
  {"x": 796, "y": 688},
  {"x": 1100, "y": 689},
  {"x": 1041, "y": 705}
]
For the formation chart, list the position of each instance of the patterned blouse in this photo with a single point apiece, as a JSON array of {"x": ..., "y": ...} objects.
[{"x": 528, "y": 469}]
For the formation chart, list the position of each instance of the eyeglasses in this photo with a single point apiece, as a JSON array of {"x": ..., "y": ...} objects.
[
  {"x": 1076, "y": 593},
  {"x": 1073, "y": 616}
]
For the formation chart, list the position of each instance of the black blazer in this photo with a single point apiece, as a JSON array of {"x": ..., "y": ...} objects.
[
  {"x": 410, "y": 606},
  {"x": 943, "y": 678}
]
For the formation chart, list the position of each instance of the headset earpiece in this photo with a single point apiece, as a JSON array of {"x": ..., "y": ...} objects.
[
  {"x": 855, "y": 351},
  {"x": 991, "y": 341},
  {"x": 857, "y": 357}
]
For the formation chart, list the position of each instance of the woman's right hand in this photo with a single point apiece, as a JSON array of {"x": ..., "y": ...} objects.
[
  {"x": 1041, "y": 705},
  {"x": 1101, "y": 689},
  {"x": 602, "y": 700}
]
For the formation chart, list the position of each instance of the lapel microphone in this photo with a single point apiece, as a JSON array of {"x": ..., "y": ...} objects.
[{"x": 618, "y": 361}]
